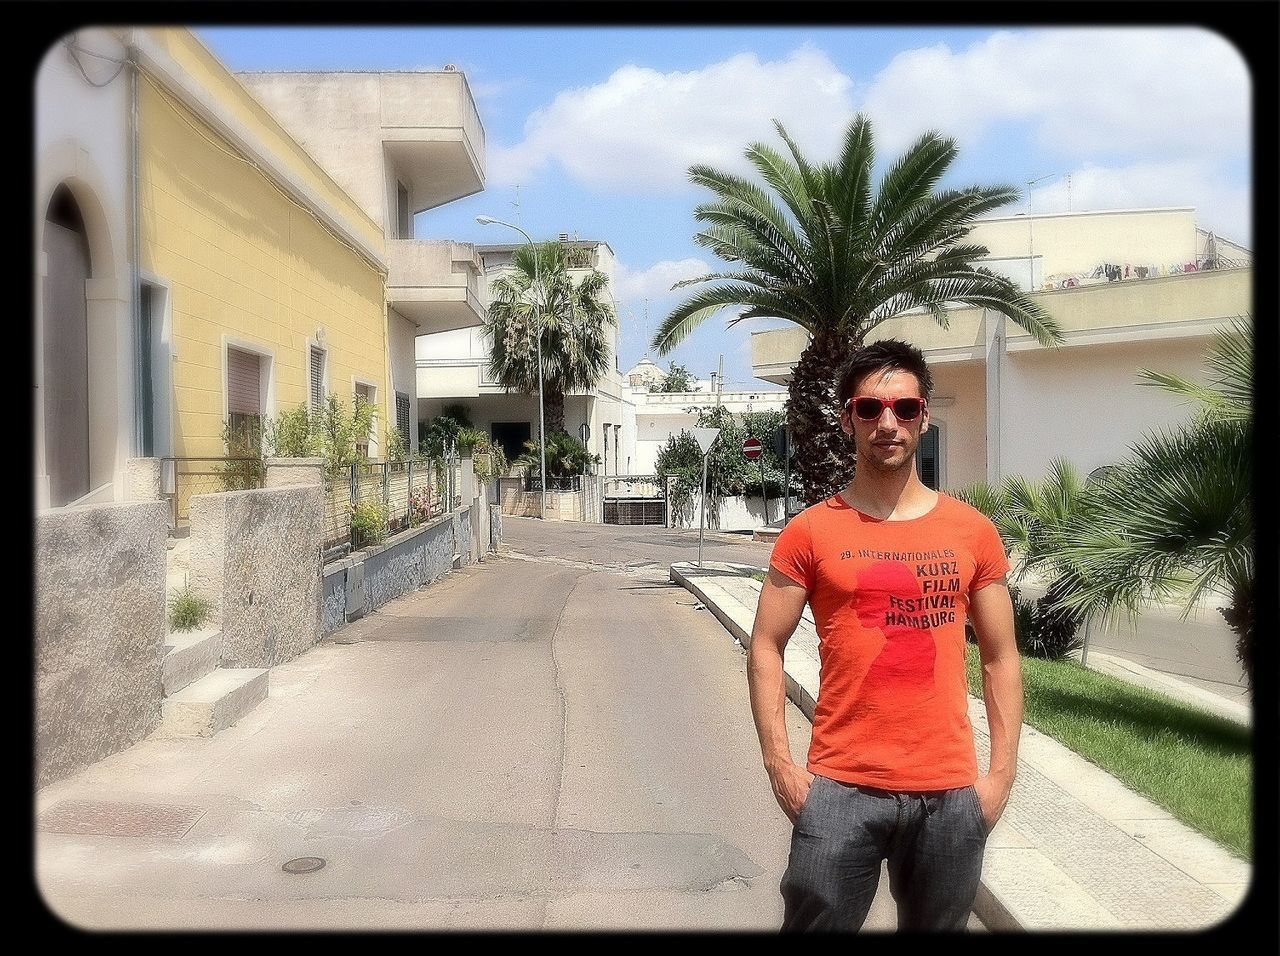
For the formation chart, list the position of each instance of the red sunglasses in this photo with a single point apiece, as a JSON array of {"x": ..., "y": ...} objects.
[{"x": 868, "y": 408}]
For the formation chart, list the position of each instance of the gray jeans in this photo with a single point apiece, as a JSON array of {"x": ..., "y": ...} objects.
[{"x": 933, "y": 841}]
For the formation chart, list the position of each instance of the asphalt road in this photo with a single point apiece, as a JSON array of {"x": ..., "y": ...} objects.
[
  {"x": 1199, "y": 650},
  {"x": 532, "y": 743}
]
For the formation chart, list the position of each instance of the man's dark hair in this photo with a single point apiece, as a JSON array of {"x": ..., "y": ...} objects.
[{"x": 885, "y": 354}]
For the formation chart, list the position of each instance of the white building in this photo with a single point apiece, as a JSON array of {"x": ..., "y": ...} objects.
[
  {"x": 1130, "y": 289},
  {"x": 453, "y": 369}
]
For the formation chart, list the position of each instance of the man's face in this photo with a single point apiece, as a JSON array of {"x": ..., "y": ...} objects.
[{"x": 886, "y": 444}]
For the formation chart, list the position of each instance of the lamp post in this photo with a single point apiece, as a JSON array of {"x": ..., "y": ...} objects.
[{"x": 542, "y": 427}]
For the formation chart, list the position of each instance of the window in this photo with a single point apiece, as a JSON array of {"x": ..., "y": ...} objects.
[
  {"x": 365, "y": 394},
  {"x": 402, "y": 416},
  {"x": 927, "y": 457},
  {"x": 404, "y": 221},
  {"x": 317, "y": 378},
  {"x": 244, "y": 402},
  {"x": 146, "y": 373}
]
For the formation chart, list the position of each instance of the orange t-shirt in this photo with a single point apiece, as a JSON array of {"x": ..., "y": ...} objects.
[{"x": 890, "y": 599}]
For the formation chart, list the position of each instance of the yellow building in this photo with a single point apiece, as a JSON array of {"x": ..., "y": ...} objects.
[{"x": 268, "y": 278}]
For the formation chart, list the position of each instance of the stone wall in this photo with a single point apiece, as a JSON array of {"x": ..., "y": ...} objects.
[
  {"x": 100, "y": 630},
  {"x": 373, "y": 576},
  {"x": 258, "y": 554}
]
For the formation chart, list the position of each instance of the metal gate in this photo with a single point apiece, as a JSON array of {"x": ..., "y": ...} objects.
[{"x": 634, "y": 499}]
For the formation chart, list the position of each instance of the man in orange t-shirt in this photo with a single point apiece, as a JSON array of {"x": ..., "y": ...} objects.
[{"x": 891, "y": 570}]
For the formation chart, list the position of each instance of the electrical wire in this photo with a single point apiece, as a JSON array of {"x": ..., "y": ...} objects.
[
  {"x": 181, "y": 112},
  {"x": 73, "y": 49}
]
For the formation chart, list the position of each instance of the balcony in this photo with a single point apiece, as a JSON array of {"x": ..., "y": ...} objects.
[
  {"x": 436, "y": 284},
  {"x": 1193, "y": 304},
  {"x": 431, "y": 132}
]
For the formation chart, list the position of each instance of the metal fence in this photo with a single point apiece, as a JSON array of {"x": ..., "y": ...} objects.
[
  {"x": 368, "y": 501},
  {"x": 184, "y": 478},
  {"x": 634, "y": 499}
]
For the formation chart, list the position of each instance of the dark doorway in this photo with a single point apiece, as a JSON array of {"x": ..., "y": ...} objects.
[
  {"x": 511, "y": 436},
  {"x": 66, "y": 350}
]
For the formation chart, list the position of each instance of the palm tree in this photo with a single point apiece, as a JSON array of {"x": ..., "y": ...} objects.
[
  {"x": 838, "y": 260},
  {"x": 1032, "y": 518},
  {"x": 1175, "y": 519},
  {"x": 574, "y": 319}
]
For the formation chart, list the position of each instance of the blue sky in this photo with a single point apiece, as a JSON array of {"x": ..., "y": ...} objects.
[{"x": 597, "y": 127}]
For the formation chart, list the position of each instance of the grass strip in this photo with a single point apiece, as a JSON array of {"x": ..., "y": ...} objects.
[{"x": 1196, "y": 765}]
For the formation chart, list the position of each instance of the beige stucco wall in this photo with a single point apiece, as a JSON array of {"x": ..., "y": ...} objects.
[
  {"x": 959, "y": 413},
  {"x": 345, "y": 118},
  {"x": 1085, "y": 404},
  {"x": 1075, "y": 242},
  {"x": 99, "y": 634}
]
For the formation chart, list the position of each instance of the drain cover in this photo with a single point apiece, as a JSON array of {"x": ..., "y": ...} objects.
[
  {"x": 96, "y": 818},
  {"x": 303, "y": 864}
]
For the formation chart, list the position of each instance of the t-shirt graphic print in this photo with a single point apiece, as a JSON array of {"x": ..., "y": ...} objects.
[{"x": 890, "y": 599}]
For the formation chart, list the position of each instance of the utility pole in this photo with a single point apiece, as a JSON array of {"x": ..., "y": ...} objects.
[{"x": 720, "y": 380}]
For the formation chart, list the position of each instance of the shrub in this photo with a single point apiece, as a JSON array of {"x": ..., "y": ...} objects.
[
  {"x": 566, "y": 456},
  {"x": 1023, "y": 612},
  {"x": 244, "y": 444},
  {"x": 419, "y": 507},
  {"x": 292, "y": 435},
  {"x": 368, "y": 522},
  {"x": 187, "y": 610}
]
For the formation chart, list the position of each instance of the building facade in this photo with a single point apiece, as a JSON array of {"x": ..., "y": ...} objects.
[
  {"x": 266, "y": 223},
  {"x": 453, "y": 370},
  {"x": 1130, "y": 289}
]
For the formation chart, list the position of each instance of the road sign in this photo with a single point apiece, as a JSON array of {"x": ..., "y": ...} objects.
[
  {"x": 752, "y": 448},
  {"x": 704, "y": 437}
]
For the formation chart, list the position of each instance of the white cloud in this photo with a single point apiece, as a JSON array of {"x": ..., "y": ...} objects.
[
  {"x": 654, "y": 283},
  {"x": 642, "y": 129},
  {"x": 1220, "y": 205},
  {"x": 1179, "y": 91}
]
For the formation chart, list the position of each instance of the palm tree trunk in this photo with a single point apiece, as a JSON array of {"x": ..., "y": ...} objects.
[
  {"x": 1239, "y": 617},
  {"x": 554, "y": 401},
  {"x": 824, "y": 457}
]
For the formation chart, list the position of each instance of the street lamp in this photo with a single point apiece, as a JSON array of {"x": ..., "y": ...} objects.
[{"x": 542, "y": 427}]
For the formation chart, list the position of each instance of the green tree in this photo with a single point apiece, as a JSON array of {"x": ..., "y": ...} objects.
[
  {"x": 729, "y": 471},
  {"x": 338, "y": 429},
  {"x": 679, "y": 379},
  {"x": 838, "y": 258},
  {"x": 575, "y": 320},
  {"x": 1174, "y": 520}
]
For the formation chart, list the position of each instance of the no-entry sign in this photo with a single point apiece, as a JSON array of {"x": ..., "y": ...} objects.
[{"x": 752, "y": 448}]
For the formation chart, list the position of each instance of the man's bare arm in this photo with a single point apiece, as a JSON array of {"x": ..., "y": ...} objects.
[
  {"x": 782, "y": 602},
  {"x": 991, "y": 611}
]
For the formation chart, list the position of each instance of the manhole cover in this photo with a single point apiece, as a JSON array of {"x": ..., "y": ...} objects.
[
  {"x": 303, "y": 864},
  {"x": 93, "y": 818}
]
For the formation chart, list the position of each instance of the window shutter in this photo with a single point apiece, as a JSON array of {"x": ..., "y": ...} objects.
[
  {"x": 402, "y": 415},
  {"x": 317, "y": 378},
  {"x": 244, "y": 383},
  {"x": 928, "y": 458}
]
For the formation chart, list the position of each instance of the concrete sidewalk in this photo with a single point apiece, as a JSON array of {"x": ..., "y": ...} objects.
[{"x": 1075, "y": 849}]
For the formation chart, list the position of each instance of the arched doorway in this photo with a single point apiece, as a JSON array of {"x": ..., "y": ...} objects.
[{"x": 66, "y": 349}]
